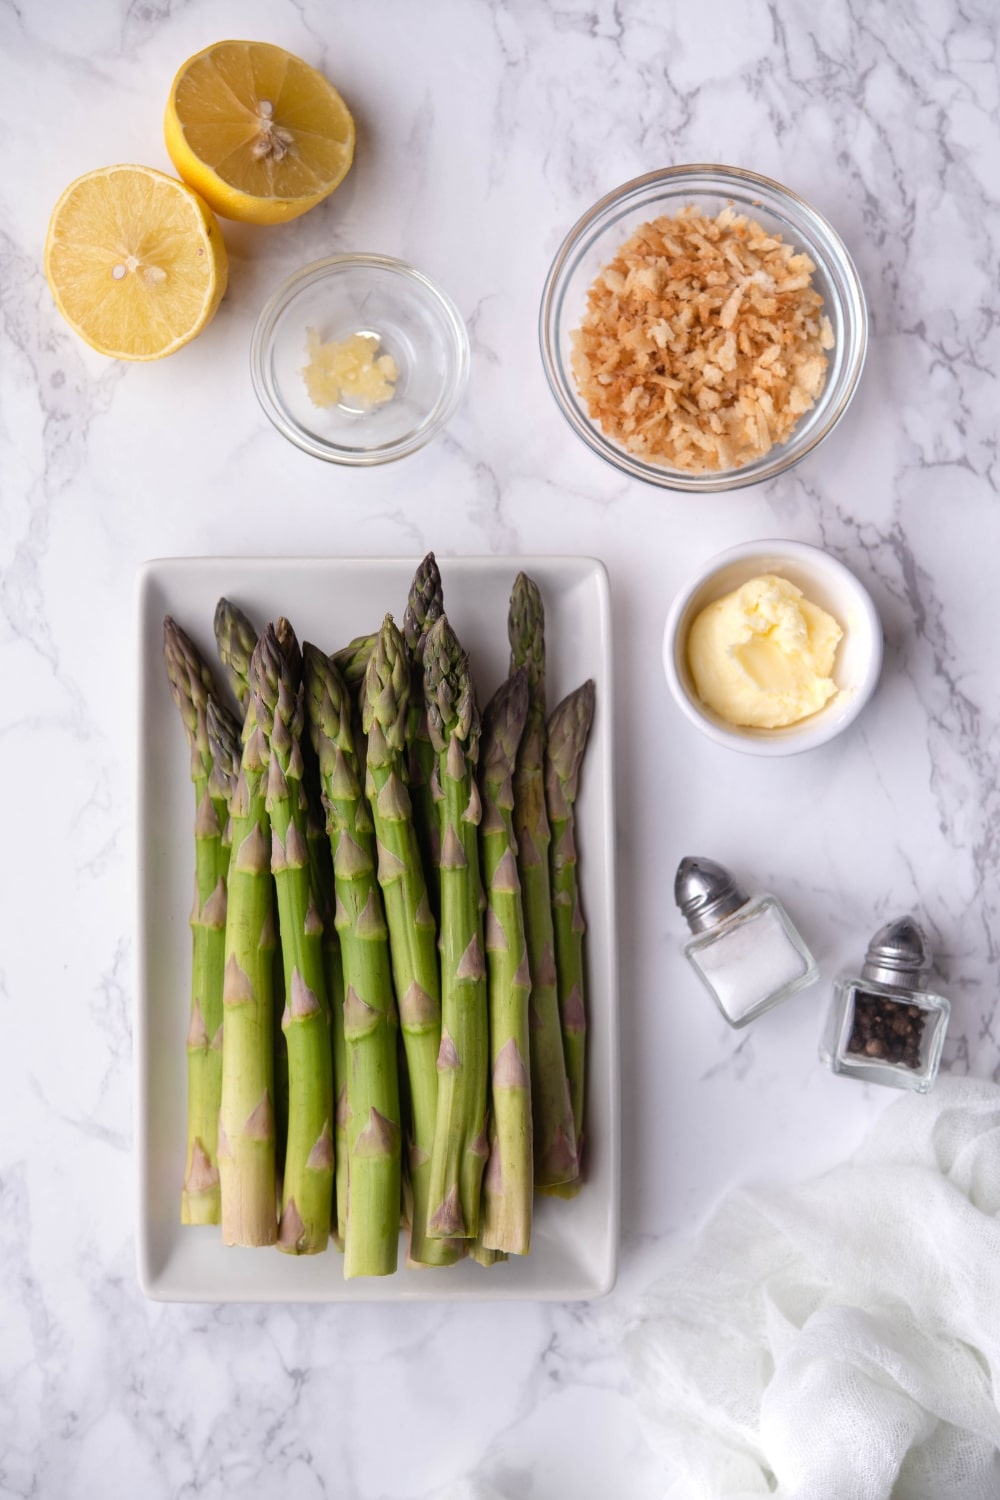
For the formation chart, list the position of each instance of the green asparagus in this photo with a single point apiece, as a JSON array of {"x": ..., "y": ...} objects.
[
  {"x": 551, "y": 1106},
  {"x": 288, "y": 645},
  {"x": 370, "y": 1025},
  {"x": 235, "y": 638},
  {"x": 460, "y": 1140},
  {"x": 509, "y": 1181},
  {"x": 484, "y": 1254},
  {"x": 423, "y": 606},
  {"x": 191, "y": 686},
  {"x": 321, "y": 870},
  {"x": 412, "y": 929},
  {"x": 352, "y": 661},
  {"x": 224, "y": 744},
  {"x": 568, "y": 728},
  {"x": 246, "y": 1118},
  {"x": 307, "y": 1183},
  {"x": 456, "y": 827}
]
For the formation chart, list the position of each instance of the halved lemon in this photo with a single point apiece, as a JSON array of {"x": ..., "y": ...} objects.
[
  {"x": 135, "y": 261},
  {"x": 259, "y": 133}
]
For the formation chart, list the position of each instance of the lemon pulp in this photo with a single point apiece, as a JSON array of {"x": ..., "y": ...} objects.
[
  {"x": 135, "y": 261},
  {"x": 257, "y": 131}
]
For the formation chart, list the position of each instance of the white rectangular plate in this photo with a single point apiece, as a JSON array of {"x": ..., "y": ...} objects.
[{"x": 575, "y": 1243}]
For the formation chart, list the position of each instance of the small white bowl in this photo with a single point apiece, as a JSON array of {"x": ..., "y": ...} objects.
[{"x": 825, "y": 582}]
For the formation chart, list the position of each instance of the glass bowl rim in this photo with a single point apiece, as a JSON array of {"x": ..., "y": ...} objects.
[
  {"x": 854, "y": 309},
  {"x": 263, "y": 336}
]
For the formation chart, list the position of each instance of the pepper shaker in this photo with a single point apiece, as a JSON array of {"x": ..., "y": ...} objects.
[
  {"x": 746, "y": 950},
  {"x": 884, "y": 1026}
]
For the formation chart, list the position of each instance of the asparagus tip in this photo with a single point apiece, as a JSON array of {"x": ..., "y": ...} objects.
[
  {"x": 566, "y": 740},
  {"x": 425, "y": 603},
  {"x": 448, "y": 689},
  {"x": 526, "y": 632}
]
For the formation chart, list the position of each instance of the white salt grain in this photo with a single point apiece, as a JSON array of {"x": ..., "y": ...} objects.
[{"x": 750, "y": 963}]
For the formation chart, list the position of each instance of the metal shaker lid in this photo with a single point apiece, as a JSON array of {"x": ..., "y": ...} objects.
[
  {"x": 897, "y": 955},
  {"x": 706, "y": 892}
]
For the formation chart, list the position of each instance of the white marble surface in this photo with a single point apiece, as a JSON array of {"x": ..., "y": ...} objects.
[{"x": 484, "y": 130}]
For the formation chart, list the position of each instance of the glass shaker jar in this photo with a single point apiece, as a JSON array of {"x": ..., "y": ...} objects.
[
  {"x": 746, "y": 950},
  {"x": 884, "y": 1026}
]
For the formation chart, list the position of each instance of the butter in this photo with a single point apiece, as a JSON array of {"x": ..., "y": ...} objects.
[{"x": 762, "y": 656}]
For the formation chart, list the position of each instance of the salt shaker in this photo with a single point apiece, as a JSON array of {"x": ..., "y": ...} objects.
[
  {"x": 884, "y": 1026},
  {"x": 746, "y": 950}
]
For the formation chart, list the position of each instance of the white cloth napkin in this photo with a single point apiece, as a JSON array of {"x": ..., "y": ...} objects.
[{"x": 840, "y": 1340}]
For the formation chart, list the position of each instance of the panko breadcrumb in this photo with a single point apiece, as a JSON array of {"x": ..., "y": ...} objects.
[{"x": 703, "y": 342}]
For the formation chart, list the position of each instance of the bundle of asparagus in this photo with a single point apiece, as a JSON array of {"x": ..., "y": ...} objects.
[{"x": 387, "y": 941}]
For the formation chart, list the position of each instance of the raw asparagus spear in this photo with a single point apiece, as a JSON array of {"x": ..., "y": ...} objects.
[
  {"x": 309, "y": 786},
  {"x": 307, "y": 1183},
  {"x": 246, "y": 1118},
  {"x": 551, "y": 1107},
  {"x": 412, "y": 929},
  {"x": 509, "y": 1181},
  {"x": 352, "y": 661},
  {"x": 460, "y": 1141},
  {"x": 321, "y": 869},
  {"x": 423, "y": 606},
  {"x": 190, "y": 686},
  {"x": 370, "y": 1026},
  {"x": 321, "y": 865},
  {"x": 279, "y": 1053},
  {"x": 224, "y": 744},
  {"x": 288, "y": 644},
  {"x": 235, "y": 638},
  {"x": 567, "y": 732},
  {"x": 485, "y": 1256}
]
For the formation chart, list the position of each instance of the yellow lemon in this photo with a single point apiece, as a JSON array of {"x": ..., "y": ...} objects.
[
  {"x": 261, "y": 135},
  {"x": 135, "y": 261}
]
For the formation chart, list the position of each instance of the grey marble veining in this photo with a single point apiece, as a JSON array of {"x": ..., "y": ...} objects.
[{"x": 485, "y": 130}]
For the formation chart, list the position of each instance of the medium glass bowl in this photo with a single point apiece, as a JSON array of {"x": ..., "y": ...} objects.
[
  {"x": 595, "y": 240},
  {"x": 414, "y": 322}
]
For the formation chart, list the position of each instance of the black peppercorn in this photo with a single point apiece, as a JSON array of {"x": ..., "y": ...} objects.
[{"x": 887, "y": 1031}]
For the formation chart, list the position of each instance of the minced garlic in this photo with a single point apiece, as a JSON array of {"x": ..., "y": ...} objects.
[{"x": 352, "y": 371}]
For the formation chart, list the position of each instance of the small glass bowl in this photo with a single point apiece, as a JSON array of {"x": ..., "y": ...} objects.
[
  {"x": 414, "y": 322},
  {"x": 595, "y": 240}
]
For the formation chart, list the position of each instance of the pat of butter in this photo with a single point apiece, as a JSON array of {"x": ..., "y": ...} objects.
[{"x": 763, "y": 656}]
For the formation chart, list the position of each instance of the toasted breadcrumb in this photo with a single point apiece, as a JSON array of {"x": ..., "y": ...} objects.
[{"x": 703, "y": 342}]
